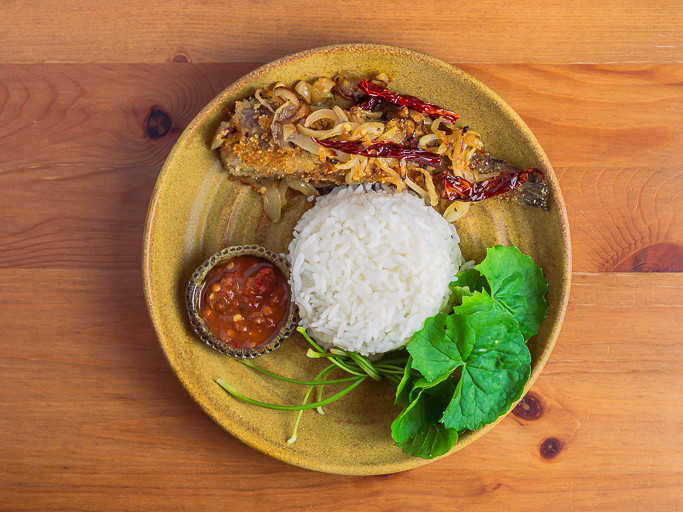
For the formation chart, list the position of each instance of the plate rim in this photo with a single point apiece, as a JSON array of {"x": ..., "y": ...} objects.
[{"x": 358, "y": 469}]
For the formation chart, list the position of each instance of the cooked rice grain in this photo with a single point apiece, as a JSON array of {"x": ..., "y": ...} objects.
[{"x": 370, "y": 266}]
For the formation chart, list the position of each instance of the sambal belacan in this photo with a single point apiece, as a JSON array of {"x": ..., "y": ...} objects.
[{"x": 245, "y": 301}]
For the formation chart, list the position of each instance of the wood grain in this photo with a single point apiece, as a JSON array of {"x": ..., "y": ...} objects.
[
  {"x": 624, "y": 219},
  {"x": 94, "y": 418},
  {"x": 84, "y": 115},
  {"x": 104, "y": 156},
  {"x": 245, "y": 30}
]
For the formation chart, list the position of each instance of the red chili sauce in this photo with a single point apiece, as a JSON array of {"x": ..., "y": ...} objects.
[{"x": 245, "y": 301}]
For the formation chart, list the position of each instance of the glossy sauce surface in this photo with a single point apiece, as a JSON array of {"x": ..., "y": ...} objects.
[{"x": 245, "y": 301}]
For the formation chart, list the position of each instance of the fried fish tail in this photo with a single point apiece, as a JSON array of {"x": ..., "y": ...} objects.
[{"x": 534, "y": 192}]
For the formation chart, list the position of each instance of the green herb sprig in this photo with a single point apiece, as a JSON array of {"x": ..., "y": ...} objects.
[
  {"x": 390, "y": 368},
  {"x": 468, "y": 367}
]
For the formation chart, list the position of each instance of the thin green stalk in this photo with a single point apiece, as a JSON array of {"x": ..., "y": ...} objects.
[
  {"x": 389, "y": 367},
  {"x": 394, "y": 379},
  {"x": 365, "y": 365},
  {"x": 331, "y": 357},
  {"x": 315, "y": 355},
  {"x": 295, "y": 381},
  {"x": 303, "y": 332},
  {"x": 320, "y": 376},
  {"x": 350, "y": 362},
  {"x": 227, "y": 387},
  {"x": 384, "y": 371},
  {"x": 320, "y": 395},
  {"x": 298, "y": 416},
  {"x": 344, "y": 366}
]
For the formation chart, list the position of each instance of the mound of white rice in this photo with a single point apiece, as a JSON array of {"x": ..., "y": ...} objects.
[{"x": 369, "y": 267}]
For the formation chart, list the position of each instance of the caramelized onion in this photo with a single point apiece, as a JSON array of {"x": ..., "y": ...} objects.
[
  {"x": 357, "y": 115},
  {"x": 321, "y": 89},
  {"x": 282, "y": 92},
  {"x": 282, "y": 190},
  {"x": 393, "y": 135},
  {"x": 282, "y": 115},
  {"x": 371, "y": 130},
  {"x": 304, "y": 142},
  {"x": 416, "y": 188},
  {"x": 326, "y": 134},
  {"x": 348, "y": 90},
  {"x": 349, "y": 177},
  {"x": 352, "y": 161},
  {"x": 356, "y": 170},
  {"x": 431, "y": 190},
  {"x": 392, "y": 176},
  {"x": 220, "y": 136},
  {"x": 259, "y": 97},
  {"x": 301, "y": 186},
  {"x": 320, "y": 115},
  {"x": 303, "y": 89},
  {"x": 289, "y": 112},
  {"x": 435, "y": 128},
  {"x": 372, "y": 115},
  {"x": 426, "y": 140},
  {"x": 456, "y": 210},
  {"x": 272, "y": 202},
  {"x": 287, "y": 131},
  {"x": 340, "y": 114}
]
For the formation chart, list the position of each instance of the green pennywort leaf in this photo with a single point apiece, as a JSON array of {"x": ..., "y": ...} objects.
[
  {"x": 465, "y": 284},
  {"x": 437, "y": 440},
  {"x": 435, "y": 348},
  {"x": 423, "y": 412},
  {"x": 517, "y": 285},
  {"x": 405, "y": 385},
  {"x": 495, "y": 370}
]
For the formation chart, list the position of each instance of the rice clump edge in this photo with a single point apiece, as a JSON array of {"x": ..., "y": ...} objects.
[{"x": 370, "y": 266}]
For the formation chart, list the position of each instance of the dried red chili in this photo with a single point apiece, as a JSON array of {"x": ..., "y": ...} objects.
[
  {"x": 370, "y": 102},
  {"x": 383, "y": 149},
  {"x": 377, "y": 93},
  {"x": 455, "y": 188}
]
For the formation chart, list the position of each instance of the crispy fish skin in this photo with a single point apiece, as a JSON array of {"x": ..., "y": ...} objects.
[
  {"x": 250, "y": 152},
  {"x": 255, "y": 158}
]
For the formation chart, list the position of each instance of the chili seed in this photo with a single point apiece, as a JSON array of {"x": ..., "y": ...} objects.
[
  {"x": 216, "y": 287},
  {"x": 237, "y": 318}
]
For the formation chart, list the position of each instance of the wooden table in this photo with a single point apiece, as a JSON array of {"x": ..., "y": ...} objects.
[{"x": 94, "y": 94}]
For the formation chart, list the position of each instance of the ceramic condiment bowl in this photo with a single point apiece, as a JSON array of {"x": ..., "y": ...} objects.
[{"x": 194, "y": 290}]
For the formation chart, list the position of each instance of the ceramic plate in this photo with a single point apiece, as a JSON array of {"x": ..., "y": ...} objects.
[{"x": 196, "y": 211}]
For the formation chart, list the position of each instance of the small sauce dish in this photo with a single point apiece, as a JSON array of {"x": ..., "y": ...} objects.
[{"x": 239, "y": 301}]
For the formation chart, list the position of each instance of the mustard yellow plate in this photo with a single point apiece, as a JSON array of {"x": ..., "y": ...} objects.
[{"x": 196, "y": 211}]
